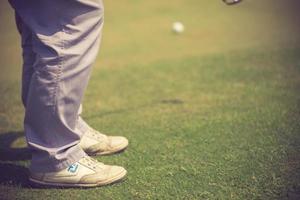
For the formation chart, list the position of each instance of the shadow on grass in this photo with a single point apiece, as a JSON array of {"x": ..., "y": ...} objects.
[
  {"x": 12, "y": 174},
  {"x": 7, "y": 153}
]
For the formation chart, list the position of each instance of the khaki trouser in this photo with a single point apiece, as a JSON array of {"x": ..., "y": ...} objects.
[{"x": 60, "y": 40}]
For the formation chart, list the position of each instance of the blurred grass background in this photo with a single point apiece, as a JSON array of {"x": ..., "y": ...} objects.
[{"x": 210, "y": 114}]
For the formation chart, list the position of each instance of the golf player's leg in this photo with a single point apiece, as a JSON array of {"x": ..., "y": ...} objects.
[
  {"x": 28, "y": 56},
  {"x": 65, "y": 39}
]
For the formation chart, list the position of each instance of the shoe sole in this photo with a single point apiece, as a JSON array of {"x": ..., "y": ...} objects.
[
  {"x": 119, "y": 149},
  {"x": 114, "y": 179}
]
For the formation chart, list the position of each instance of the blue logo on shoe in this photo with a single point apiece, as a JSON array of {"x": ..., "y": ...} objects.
[{"x": 73, "y": 168}]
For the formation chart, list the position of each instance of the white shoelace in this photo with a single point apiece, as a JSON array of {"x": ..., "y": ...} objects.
[
  {"x": 97, "y": 135},
  {"x": 92, "y": 163}
]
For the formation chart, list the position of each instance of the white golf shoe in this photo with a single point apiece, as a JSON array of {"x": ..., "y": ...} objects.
[
  {"x": 95, "y": 143},
  {"x": 87, "y": 172}
]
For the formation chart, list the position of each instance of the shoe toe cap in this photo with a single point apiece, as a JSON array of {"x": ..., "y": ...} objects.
[
  {"x": 117, "y": 170},
  {"x": 118, "y": 142}
]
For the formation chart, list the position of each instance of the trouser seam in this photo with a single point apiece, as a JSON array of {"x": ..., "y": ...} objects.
[{"x": 60, "y": 71}]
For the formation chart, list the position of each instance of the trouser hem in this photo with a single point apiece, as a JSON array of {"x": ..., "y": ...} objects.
[{"x": 54, "y": 166}]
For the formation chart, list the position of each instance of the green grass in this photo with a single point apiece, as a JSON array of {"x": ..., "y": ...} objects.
[{"x": 210, "y": 114}]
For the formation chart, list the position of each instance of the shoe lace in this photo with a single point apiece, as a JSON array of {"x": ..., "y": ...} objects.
[
  {"x": 92, "y": 163},
  {"x": 97, "y": 135}
]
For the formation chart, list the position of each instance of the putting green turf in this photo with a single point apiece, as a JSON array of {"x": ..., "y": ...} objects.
[{"x": 210, "y": 114}]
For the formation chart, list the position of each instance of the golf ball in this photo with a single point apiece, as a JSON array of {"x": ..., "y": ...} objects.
[{"x": 178, "y": 27}]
